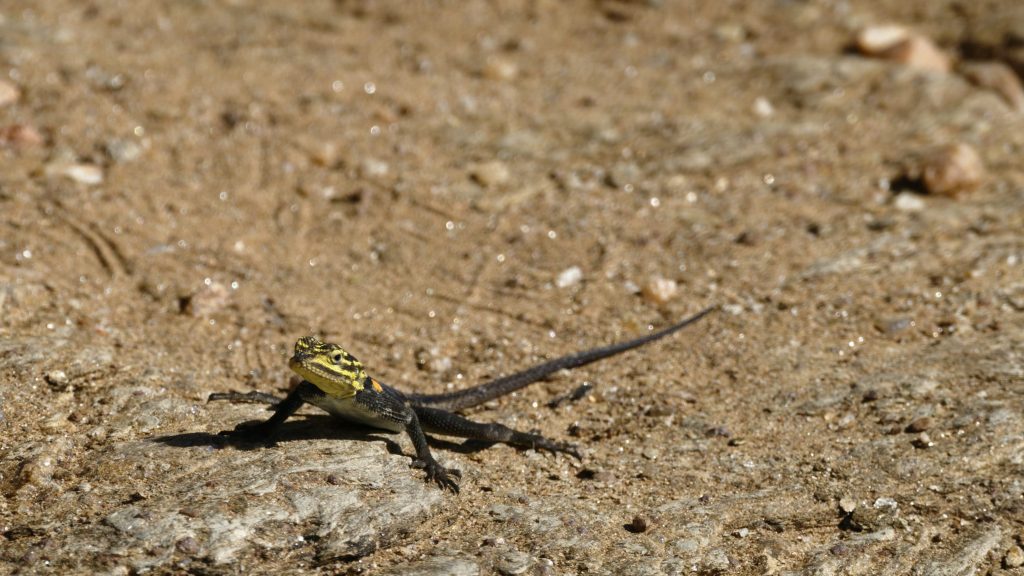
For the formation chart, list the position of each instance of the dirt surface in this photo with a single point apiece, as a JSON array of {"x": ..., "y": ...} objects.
[{"x": 455, "y": 190}]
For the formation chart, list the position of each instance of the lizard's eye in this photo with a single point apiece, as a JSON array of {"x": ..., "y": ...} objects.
[{"x": 336, "y": 357}]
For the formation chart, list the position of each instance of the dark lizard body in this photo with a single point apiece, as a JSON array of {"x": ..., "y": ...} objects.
[{"x": 336, "y": 382}]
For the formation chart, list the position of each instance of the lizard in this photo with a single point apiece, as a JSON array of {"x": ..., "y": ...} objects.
[{"x": 335, "y": 381}]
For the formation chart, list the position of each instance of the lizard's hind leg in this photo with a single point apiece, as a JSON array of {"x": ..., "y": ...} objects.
[{"x": 450, "y": 424}]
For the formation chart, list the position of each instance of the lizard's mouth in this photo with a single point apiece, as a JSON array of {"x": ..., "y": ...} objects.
[{"x": 332, "y": 380}]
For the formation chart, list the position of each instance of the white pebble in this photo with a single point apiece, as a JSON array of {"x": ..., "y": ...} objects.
[
  {"x": 84, "y": 173},
  {"x": 660, "y": 290},
  {"x": 763, "y": 108},
  {"x": 908, "y": 202},
  {"x": 569, "y": 277}
]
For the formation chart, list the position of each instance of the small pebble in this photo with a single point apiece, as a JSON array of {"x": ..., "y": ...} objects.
[
  {"x": 762, "y": 107},
  {"x": 490, "y": 174},
  {"x": 569, "y": 277},
  {"x": 875, "y": 40},
  {"x": 57, "y": 378},
  {"x": 123, "y": 150},
  {"x": 638, "y": 525},
  {"x": 920, "y": 53},
  {"x": 660, "y": 290},
  {"x": 894, "y": 325},
  {"x": 500, "y": 69},
  {"x": 513, "y": 562},
  {"x": 19, "y": 135},
  {"x": 997, "y": 77},
  {"x": 923, "y": 441},
  {"x": 1014, "y": 557},
  {"x": 210, "y": 299},
  {"x": 953, "y": 169},
  {"x": 651, "y": 453},
  {"x": 908, "y": 202},
  {"x": 899, "y": 44},
  {"x": 373, "y": 168},
  {"x": 847, "y": 504},
  {"x": 324, "y": 154},
  {"x": 188, "y": 545},
  {"x": 88, "y": 174},
  {"x": 742, "y": 533},
  {"x": 920, "y": 425},
  {"x": 9, "y": 93}
]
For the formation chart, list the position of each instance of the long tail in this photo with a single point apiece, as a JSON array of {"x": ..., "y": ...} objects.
[{"x": 507, "y": 384}]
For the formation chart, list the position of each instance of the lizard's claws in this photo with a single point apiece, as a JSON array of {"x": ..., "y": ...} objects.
[{"x": 439, "y": 474}]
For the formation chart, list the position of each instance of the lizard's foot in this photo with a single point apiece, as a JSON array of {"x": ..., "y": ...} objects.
[
  {"x": 553, "y": 446},
  {"x": 250, "y": 433},
  {"x": 439, "y": 474}
]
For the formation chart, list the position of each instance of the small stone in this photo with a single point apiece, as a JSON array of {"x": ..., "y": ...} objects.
[
  {"x": 651, "y": 453},
  {"x": 123, "y": 150},
  {"x": 742, "y": 533},
  {"x": 953, "y": 169},
  {"x": 885, "y": 502},
  {"x": 875, "y": 40},
  {"x": 57, "y": 378},
  {"x": 20, "y": 135},
  {"x": 660, "y": 290},
  {"x": 847, "y": 504},
  {"x": 188, "y": 545},
  {"x": 88, "y": 174},
  {"x": 921, "y": 53},
  {"x": 908, "y": 202},
  {"x": 997, "y": 77},
  {"x": 513, "y": 562},
  {"x": 1014, "y": 557},
  {"x": 373, "y": 168},
  {"x": 920, "y": 425},
  {"x": 209, "y": 300},
  {"x": 624, "y": 174},
  {"x": 500, "y": 69},
  {"x": 490, "y": 174},
  {"x": 9, "y": 93},
  {"x": 893, "y": 326},
  {"x": 762, "y": 107},
  {"x": 569, "y": 277},
  {"x": 898, "y": 44},
  {"x": 923, "y": 441},
  {"x": 324, "y": 154},
  {"x": 637, "y": 526}
]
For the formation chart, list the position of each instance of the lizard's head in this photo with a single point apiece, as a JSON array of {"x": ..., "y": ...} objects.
[{"x": 328, "y": 366}]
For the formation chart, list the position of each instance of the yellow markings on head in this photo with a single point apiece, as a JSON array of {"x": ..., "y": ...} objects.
[
  {"x": 376, "y": 385},
  {"x": 328, "y": 366}
]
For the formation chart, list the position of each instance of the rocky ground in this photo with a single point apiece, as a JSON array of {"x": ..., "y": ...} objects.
[{"x": 455, "y": 190}]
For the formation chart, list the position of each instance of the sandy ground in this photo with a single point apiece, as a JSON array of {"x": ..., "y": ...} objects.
[{"x": 455, "y": 190}]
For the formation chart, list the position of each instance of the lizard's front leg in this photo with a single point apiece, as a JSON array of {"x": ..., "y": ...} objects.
[{"x": 263, "y": 432}]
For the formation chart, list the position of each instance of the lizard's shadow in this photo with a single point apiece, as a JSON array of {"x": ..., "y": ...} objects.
[{"x": 315, "y": 427}]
